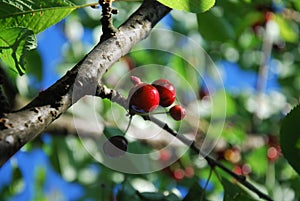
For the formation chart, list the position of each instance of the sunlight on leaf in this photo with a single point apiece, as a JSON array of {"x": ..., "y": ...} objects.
[
  {"x": 194, "y": 6},
  {"x": 287, "y": 30},
  {"x": 14, "y": 44},
  {"x": 20, "y": 20},
  {"x": 34, "y": 15}
]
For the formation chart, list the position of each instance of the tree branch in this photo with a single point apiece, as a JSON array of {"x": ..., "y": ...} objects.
[
  {"x": 116, "y": 97},
  {"x": 65, "y": 125},
  {"x": 18, "y": 128}
]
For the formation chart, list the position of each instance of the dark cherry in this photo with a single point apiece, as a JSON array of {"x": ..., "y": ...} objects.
[
  {"x": 177, "y": 112},
  {"x": 167, "y": 92},
  {"x": 143, "y": 98},
  {"x": 115, "y": 146}
]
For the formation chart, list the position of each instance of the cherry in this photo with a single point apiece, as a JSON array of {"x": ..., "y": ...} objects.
[
  {"x": 115, "y": 146},
  {"x": 242, "y": 169},
  {"x": 178, "y": 174},
  {"x": 203, "y": 92},
  {"x": 189, "y": 171},
  {"x": 177, "y": 112},
  {"x": 164, "y": 155},
  {"x": 272, "y": 154},
  {"x": 143, "y": 98},
  {"x": 233, "y": 155},
  {"x": 167, "y": 92}
]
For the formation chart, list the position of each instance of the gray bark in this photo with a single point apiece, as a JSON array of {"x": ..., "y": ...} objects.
[{"x": 18, "y": 128}]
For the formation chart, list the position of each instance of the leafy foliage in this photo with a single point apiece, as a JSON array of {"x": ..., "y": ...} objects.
[
  {"x": 210, "y": 26},
  {"x": 33, "y": 15},
  {"x": 195, "y": 193},
  {"x": 20, "y": 20},
  {"x": 194, "y": 6},
  {"x": 14, "y": 44},
  {"x": 290, "y": 138}
]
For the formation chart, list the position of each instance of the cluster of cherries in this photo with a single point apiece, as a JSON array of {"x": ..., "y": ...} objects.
[{"x": 144, "y": 98}]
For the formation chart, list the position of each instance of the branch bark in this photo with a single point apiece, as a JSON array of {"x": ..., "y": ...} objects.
[
  {"x": 18, "y": 128},
  {"x": 67, "y": 125}
]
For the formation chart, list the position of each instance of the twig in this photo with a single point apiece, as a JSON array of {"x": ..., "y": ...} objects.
[
  {"x": 211, "y": 161},
  {"x": 108, "y": 28},
  {"x": 114, "y": 96}
]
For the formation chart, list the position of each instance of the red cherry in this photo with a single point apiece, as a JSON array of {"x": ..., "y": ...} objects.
[
  {"x": 167, "y": 92},
  {"x": 143, "y": 98},
  {"x": 272, "y": 154},
  {"x": 177, "y": 112},
  {"x": 164, "y": 155},
  {"x": 268, "y": 16},
  {"x": 178, "y": 174},
  {"x": 115, "y": 146},
  {"x": 238, "y": 170},
  {"x": 203, "y": 92},
  {"x": 189, "y": 171}
]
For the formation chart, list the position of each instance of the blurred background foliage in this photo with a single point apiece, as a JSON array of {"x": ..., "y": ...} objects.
[{"x": 253, "y": 44}]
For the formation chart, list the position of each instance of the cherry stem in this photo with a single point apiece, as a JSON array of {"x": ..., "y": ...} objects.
[
  {"x": 208, "y": 179},
  {"x": 151, "y": 113},
  {"x": 135, "y": 80},
  {"x": 128, "y": 125}
]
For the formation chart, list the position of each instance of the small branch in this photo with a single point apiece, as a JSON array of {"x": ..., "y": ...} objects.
[
  {"x": 211, "y": 161},
  {"x": 108, "y": 28},
  {"x": 116, "y": 97}
]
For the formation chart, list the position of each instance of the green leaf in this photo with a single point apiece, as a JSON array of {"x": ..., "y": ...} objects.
[
  {"x": 257, "y": 159},
  {"x": 20, "y": 20},
  {"x": 287, "y": 30},
  {"x": 234, "y": 135},
  {"x": 34, "y": 15},
  {"x": 213, "y": 27},
  {"x": 128, "y": 193},
  {"x": 295, "y": 184},
  {"x": 193, "y": 6},
  {"x": 14, "y": 44},
  {"x": 290, "y": 138},
  {"x": 297, "y": 5},
  {"x": 33, "y": 64},
  {"x": 234, "y": 193},
  {"x": 151, "y": 196},
  {"x": 196, "y": 193}
]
